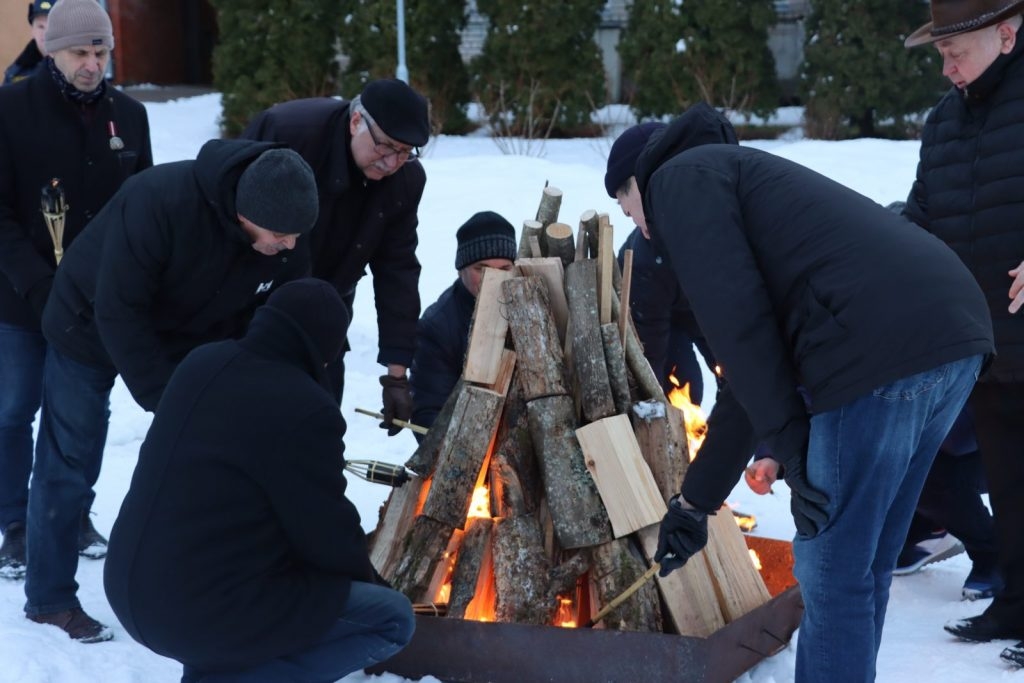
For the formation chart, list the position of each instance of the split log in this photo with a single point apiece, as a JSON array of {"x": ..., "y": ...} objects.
[
  {"x": 506, "y": 370},
  {"x": 531, "y": 229},
  {"x": 489, "y": 329},
  {"x": 516, "y": 487},
  {"x": 577, "y": 513},
  {"x": 559, "y": 242},
  {"x": 688, "y": 592},
  {"x": 627, "y": 488},
  {"x": 536, "y": 250},
  {"x": 550, "y": 203},
  {"x": 565, "y": 576},
  {"x": 394, "y": 524},
  {"x": 589, "y": 368},
  {"x": 647, "y": 381},
  {"x": 661, "y": 436},
  {"x": 615, "y": 361},
  {"x": 423, "y": 552},
  {"x": 738, "y": 584},
  {"x": 615, "y": 567},
  {"x": 425, "y": 456},
  {"x": 624, "y": 291},
  {"x": 535, "y": 337},
  {"x": 521, "y": 572},
  {"x": 553, "y": 273},
  {"x": 461, "y": 459},
  {"x": 605, "y": 268},
  {"x": 475, "y": 546},
  {"x": 589, "y": 225}
]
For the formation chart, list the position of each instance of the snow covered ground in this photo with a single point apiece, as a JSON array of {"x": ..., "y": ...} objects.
[{"x": 465, "y": 175}]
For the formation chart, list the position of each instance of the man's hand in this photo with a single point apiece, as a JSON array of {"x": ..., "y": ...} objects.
[
  {"x": 761, "y": 474},
  {"x": 397, "y": 402},
  {"x": 805, "y": 502},
  {"x": 1017, "y": 288},
  {"x": 683, "y": 532}
]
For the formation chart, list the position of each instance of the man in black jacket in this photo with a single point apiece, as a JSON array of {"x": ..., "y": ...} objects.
[
  {"x": 182, "y": 255},
  {"x": 486, "y": 240},
  {"x": 236, "y": 551},
  {"x": 31, "y": 58},
  {"x": 809, "y": 291},
  {"x": 59, "y": 124},
  {"x": 967, "y": 192},
  {"x": 364, "y": 154}
]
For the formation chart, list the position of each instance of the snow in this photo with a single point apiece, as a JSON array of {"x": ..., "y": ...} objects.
[{"x": 465, "y": 175}]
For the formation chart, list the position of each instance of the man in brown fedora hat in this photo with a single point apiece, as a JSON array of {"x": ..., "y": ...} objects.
[{"x": 969, "y": 192}]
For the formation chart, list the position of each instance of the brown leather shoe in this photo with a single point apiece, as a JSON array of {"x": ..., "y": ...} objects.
[{"x": 77, "y": 624}]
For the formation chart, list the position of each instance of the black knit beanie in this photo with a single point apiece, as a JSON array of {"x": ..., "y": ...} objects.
[
  {"x": 485, "y": 235},
  {"x": 400, "y": 111},
  {"x": 624, "y": 153},
  {"x": 317, "y": 309},
  {"x": 277, "y": 192}
]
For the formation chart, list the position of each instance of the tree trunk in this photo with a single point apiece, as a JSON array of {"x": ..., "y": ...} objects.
[
  {"x": 591, "y": 372},
  {"x": 535, "y": 336}
]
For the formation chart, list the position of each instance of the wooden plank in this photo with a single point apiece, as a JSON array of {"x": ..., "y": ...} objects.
[
  {"x": 738, "y": 584},
  {"x": 394, "y": 525},
  {"x": 624, "y": 292},
  {"x": 490, "y": 327},
  {"x": 623, "y": 479},
  {"x": 506, "y": 368},
  {"x": 552, "y": 272},
  {"x": 605, "y": 268}
]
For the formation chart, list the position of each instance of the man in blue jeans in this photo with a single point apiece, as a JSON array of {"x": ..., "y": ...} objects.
[{"x": 850, "y": 343}]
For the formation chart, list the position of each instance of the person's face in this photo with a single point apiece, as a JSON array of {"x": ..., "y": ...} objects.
[
  {"x": 374, "y": 153},
  {"x": 633, "y": 206},
  {"x": 473, "y": 274},
  {"x": 966, "y": 56},
  {"x": 83, "y": 66},
  {"x": 39, "y": 31},
  {"x": 267, "y": 242}
]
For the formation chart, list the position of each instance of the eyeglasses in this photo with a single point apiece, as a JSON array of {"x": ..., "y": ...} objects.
[{"x": 386, "y": 149}]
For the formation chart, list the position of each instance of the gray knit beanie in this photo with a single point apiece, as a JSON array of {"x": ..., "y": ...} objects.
[
  {"x": 277, "y": 192},
  {"x": 74, "y": 23}
]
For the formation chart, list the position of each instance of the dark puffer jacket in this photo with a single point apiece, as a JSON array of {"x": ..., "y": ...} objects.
[
  {"x": 235, "y": 543},
  {"x": 969, "y": 192},
  {"x": 165, "y": 267}
]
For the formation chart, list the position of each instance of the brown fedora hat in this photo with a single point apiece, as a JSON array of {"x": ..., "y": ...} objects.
[{"x": 952, "y": 17}]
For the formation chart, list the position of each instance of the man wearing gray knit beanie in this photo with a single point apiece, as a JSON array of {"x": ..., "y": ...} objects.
[{"x": 79, "y": 37}]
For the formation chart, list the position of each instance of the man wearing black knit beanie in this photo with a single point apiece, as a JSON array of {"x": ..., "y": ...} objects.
[{"x": 486, "y": 240}]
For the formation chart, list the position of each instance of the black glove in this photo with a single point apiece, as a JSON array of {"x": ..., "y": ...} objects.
[
  {"x": 397, "y": 402},
  {"x": 38, "y": 295},
  {"x": 683, "y": 532},
  {"x": 805, "y": 502}
]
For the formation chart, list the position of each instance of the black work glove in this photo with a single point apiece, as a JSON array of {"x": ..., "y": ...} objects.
[
  {"x": 38, "y": 295},
  {"x": 683, "y": 532},
  {"x": 397, "y": 402},
  {"x": 805, "y": 502}
]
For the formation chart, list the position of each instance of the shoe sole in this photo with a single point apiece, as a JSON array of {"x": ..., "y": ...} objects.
[
  {"x": 973, "y": 594},
  {"x": 945, "y": 554},
  {"x": 1014, "y": 656},
  {"x": 94, "y": 552},
  {"x": 12, "y": 573}
]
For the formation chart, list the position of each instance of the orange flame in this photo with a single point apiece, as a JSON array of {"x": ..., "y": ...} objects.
[
  {"x": 480, "y": 505},
  {"x": 565, "y": 616},
  {"x": 693, "y": 417},
  {"x": 755, "y": 559}
]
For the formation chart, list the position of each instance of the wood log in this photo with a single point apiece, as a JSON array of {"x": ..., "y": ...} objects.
[
  {"x": 475, "y": 546},
  {"x": 581, "y": 244},
  {"x": 506, "y": 371},
  {"x": 521, "y": 572},
  {"x": 738, "y": 584},
  {"x": 688, "y": 592},
  {"x": 424, "y": 457},
  {"x": 577, "y": 513},
  {"x": 516, "y": 486},
  {"x": 531, "y": 229},
  {"x": 488, "y": 331},
  {"x": 394, "y": 523},
  {"x": 605, "y": 268},
  {"x": 559, "y": 242},
  {"x": 624, "y": 291},
  {"x": 615, "y": 567},
  {"x": 535, "y": 337},
  {"x": 661, "y": 436},
  {"x": 536, "y": 250},
  {"x": 564, "y": 577},
  {"x": 462, "y": 455},
  {"x": 615, "y": 361},
  {"x": 589, "y": 224},
  {"x": 647, "y": 382},
  {"x": 589, "y": 368},
  {"x": 552, "y": 272},
  {"x": 550, "y": 204},
  {"x": 423, "y": 551},
  {"x": 627, "y": 488}
]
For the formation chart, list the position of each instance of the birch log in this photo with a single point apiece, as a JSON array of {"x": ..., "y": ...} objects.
[{"x": 590, "y": 370}]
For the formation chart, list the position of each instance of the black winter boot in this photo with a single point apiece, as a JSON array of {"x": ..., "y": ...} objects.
[
  {"x": 12, "y": 552},
  {"x": 91, "y": 543}
]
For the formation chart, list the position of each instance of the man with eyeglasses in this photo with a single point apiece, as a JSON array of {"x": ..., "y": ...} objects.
[{"x": 364, "y": 154}]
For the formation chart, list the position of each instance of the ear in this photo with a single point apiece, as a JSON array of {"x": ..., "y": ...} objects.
[
  {"x": 353, "y": 123},
  {"x": 1007, "y": 37}
]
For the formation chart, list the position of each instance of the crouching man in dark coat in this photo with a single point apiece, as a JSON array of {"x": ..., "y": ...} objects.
[
  {"x": 801, "y": 284},
  {"x": 236, "y": 551}
]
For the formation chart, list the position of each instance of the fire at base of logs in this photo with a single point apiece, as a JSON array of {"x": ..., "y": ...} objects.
[{"x": 542, "y": 482}]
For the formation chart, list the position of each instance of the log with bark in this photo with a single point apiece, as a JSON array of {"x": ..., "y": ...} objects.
[
  {"x": 559, "y": 241},
  {"x": 535, "y": 337},
  {"x": 590, "y": 370},
  {"x": 531, "y": 230},
  {"x": 423, "y": 552},
  {"x": 661, "y": 435},
  {"x": 473, "y": 555},
  {"x": 615, "y": 361},
  {"x": 550, "y": 204},
  {"x": 616, "y": 565}
]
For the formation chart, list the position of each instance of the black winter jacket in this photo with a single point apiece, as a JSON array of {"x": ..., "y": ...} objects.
[
  {"x": 361, "y": 222},
  {"x": 43, "y": 136},
  {"x": 969, "y": 192},
  {"x": 798, "y": 281},
  {"x": 164, "y": 268},
  {"x": 442, "y": 337},
  {"x": 25, "y": 64},
  {"x": 235, "y": 543}
]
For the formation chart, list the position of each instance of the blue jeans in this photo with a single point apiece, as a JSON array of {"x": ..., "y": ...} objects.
[
  {"x": 375, "y": 623},
  {"x": 871, "y": 457},
  {"x": 69, "y": 452},
  {"x": 21, "y": 386}
]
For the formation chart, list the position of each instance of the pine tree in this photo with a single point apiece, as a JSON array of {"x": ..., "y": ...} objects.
[
  {"x": 540, "y": 72},
  {"x": 858, "y": 79},
  {"x": 271, "y": 51},
  {"x": 369, "y": 39},
  {"x": 675, "y": 53}
]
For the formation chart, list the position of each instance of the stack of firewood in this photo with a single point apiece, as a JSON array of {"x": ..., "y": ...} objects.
[{"x": 560, "y": 419}]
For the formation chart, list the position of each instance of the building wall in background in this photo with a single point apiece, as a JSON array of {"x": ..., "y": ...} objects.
[{"x": 14, "y": 30}]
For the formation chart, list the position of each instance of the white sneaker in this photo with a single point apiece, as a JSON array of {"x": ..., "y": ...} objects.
[{"x": 929, "y": 552}]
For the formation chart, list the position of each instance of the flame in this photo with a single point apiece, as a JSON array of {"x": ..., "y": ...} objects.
[
  {"x": 483, "y": 606},
  {"x": 693, "y": 417},
  {"x": 565, "y": 615},
  {"x": 744, "y": 521},
  {"x": 755, "y": 559},
  {"x": 480, "y": 505}
]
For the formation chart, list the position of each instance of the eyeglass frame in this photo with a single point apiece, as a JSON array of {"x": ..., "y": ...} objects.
[{"x": 409, "y": 154}]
